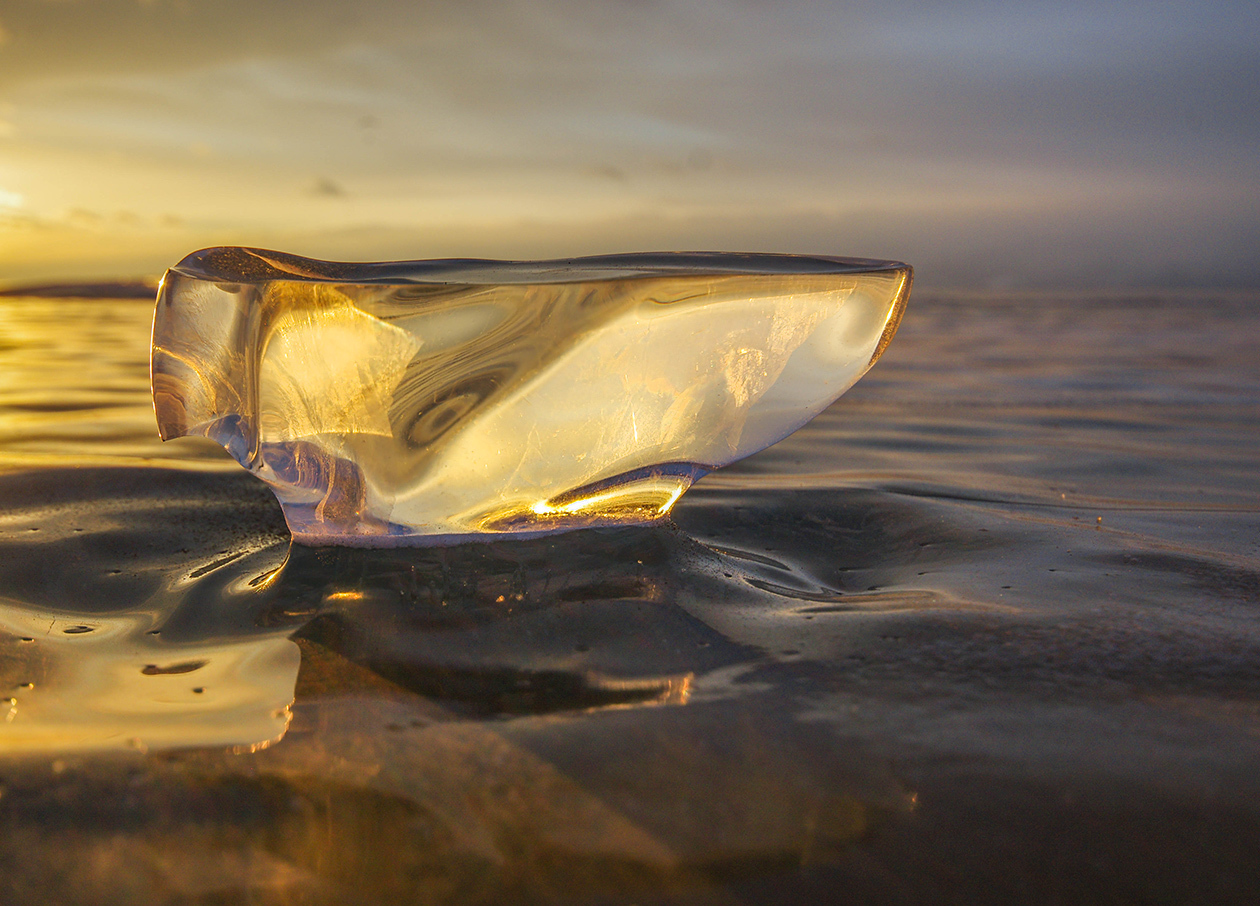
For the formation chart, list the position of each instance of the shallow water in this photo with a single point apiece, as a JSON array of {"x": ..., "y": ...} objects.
[{"x": 988, "y": 630}]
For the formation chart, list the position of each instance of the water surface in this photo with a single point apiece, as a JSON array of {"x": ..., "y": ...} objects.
[{"x": 988, "y": 630}]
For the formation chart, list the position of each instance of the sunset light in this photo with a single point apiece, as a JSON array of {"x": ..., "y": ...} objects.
[{"x": 1025, "y": 150}]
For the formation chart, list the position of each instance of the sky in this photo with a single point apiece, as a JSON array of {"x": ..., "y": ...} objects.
[{"x": 989, "y": 144}]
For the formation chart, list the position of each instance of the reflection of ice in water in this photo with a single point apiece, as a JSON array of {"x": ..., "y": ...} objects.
[{"x": 103, "y": 682}]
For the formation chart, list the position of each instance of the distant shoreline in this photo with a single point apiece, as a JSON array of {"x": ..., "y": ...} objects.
[{"x": 128, "y": 289}]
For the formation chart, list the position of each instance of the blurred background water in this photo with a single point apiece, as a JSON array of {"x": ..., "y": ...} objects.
[{"x": 988, "y": 630}]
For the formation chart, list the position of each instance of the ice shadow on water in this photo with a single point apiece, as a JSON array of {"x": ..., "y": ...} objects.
[
  {"x": 163, "y": 608},
  {"x": 105, "y": 641},
  {"x": 500, "y": 715}
]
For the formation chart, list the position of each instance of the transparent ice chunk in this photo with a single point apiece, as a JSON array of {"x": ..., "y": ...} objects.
[{"x": 428, "y": 401}]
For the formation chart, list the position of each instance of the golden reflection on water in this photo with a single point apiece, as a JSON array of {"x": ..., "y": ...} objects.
[
  {"x": 199, "y": 650},
  {"x": 82, "y": 682},
  {"x": 74, "y": 384},
  {"x": 95, "y": 683},
  {"x": 74, "y": 390}
]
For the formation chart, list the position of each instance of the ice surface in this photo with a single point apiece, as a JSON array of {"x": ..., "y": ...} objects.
[{"x": 425, "y": 402}]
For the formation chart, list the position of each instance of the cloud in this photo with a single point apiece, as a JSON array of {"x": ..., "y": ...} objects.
[
  {"x": 963, "y": 124},
  {"x": 327, "y": 188}
]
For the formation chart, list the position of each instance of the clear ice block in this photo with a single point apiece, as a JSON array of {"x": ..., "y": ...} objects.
[{"x": 425, "y": 402}]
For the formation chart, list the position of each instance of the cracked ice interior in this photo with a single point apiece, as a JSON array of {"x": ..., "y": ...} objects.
[{"x": 426, "y": 402}]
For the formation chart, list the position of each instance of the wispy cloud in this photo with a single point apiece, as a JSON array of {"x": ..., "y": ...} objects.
[{"x": 974, "y": 139}]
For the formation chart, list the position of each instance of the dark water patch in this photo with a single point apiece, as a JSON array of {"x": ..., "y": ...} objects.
[
  {"x": 900, "y": 599},
  {"x": 1220, "y": 581},
  {"x": 51, "y": 406},
  {"x": 215, "y": 564},
  {"x": 173, "y": 669},
  {"x": 111, "y": 537},
  {"x": 570, "y": 622},
  {"x": 501, "y": 691},
  {"x": 1062, "y": 660},
  {"x": 1054, "y": 838},
  {"x": 104, "y": 291},
  {"x": 1050, "y": 498},
  {"x": 830, "y": 541},
  {"x": 750, "y": 556}
]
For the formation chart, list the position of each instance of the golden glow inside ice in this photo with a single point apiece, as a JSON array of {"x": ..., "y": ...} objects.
[
  {"x": 417, "y": 408},
  {"x": 650, "y": 497}
]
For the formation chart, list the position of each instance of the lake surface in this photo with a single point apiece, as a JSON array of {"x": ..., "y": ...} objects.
[{"x": 987, "y": 631}]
